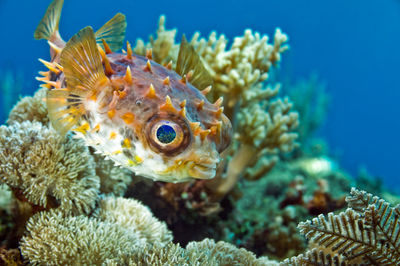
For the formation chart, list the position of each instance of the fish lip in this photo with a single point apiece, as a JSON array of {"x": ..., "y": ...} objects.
[{"x": 204, "y": 171}]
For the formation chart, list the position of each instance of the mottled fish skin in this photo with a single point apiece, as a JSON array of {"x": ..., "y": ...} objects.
[
  {"x": 130, "y": 102},
  {"x": 124, "y": 122}
]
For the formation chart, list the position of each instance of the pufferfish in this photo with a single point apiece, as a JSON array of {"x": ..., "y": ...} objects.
[{"x": 144, "y": 116}]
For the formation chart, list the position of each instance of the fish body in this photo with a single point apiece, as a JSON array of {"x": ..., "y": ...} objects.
[{"x": 142, "y": 115}]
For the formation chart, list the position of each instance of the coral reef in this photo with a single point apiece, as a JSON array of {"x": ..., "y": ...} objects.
[
  {"x": 264, "y": 123},
  {"x": 30, "y": 109},
  {"x": 46, "y": 169},
  {"x": 61, "y": 202},
  {"x": 118, "y": 226},
  {"x": 367, "y": 233}
]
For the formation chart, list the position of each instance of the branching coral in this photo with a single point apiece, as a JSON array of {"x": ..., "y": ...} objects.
[
  {"x": 113, "y": 179},
  {"x": 47, "y": 169},
  {"x": 311, "y": 100},
  {"x": 264, "y": 123},
  {"x": 132, "y": 215},
  {"x": 30, "y": 109},
  {"x": 119, "y": 226},
  {"x": 206, "y": 252},
  {"x": 365, "y": 234},
  {"x": 55, "y": 239},
  {"x": 121, "y": 232}
]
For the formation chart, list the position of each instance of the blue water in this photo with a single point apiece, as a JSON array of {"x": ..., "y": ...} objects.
[{"x": 352, "y": 45}]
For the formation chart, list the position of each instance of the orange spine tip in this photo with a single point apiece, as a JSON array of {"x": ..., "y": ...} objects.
[
  {"x": 128, "y": 76},
  {"x": 101, "y": 51},
  {"x": 149, "y": 53},
  {"x": 182, "y": 112},
  {"x": 195, "y": 127},
  {"x": 219, "y": 112},
  {"x": 152, "y": 92},
  {"x": 59, "y": 66},
  {"x": 107, "y": 66},
  {"x": 46, "y": 86},
  {"x": 167, "y": 106},
  {"x": 189, "y": 75},
  {"x": 183, "y": 79},
  {"x": 148, "y": 66},
  {"x": 128, "y": 118},
  {"x": 200, "y": 105},
  {"x": 43, "y": 79},
  {"x": 206, "y": 90},
  {"x": 219, "y": 102},
  {"x": 44, "y": 73},
  {"x": 216, "y": 128},
  {"x": 182, "y": 104},
  {"x": 128, "y": 50},
  {"x": 96, "y": 128},
  {"x": 50, "y": 66},
  {"x": 54, "y": 47},
  {"x": 169, "y": 65},
  {"x": 166, "y": 81},
  {"x": 111, "y": 113},
  {"x": 106, "y": 47},
  {"x": 204, "y": 133},
  {"x": 46, "y": 80}
]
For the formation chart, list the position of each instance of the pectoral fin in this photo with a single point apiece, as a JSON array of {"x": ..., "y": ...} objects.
[{"x": 84, "y": 74}]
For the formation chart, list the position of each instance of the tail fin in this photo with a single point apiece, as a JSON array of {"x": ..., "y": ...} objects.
[
  {"x": 85, "y": 76},
  {"x": 113, "y": 32},
  {"x": 48, "y": 26}
]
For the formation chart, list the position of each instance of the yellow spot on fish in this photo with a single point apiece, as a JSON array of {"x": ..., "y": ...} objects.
[
  {"x": 113, "y": 135},
  {"x": 128, "y": 118},
  {"x": 111, "y": 113},
  {"x": 131, "y": 163},
  {"x": 82, "y": 128},
  {"x": 96, "y": 128},
  {"x": 138, "y": 159},
  {"x": 126, "y": 143}
]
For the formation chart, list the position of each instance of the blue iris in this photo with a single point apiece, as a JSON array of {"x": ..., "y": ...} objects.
[{"x": 166, "y": 134}]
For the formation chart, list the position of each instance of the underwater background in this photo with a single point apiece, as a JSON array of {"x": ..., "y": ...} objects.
[
  {"x": 351, "y": 45},
  {"x": 310, "y": 177}
]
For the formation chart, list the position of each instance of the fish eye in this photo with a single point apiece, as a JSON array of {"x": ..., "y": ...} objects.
[{"x": 168, "y": 134}]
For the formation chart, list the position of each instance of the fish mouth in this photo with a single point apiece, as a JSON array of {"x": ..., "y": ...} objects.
[{"x": 203, "y": 171}]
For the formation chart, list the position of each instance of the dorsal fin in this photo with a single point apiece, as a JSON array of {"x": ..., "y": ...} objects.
[
  {"x": 84, "y": 75},
  {"x": 113, "y": 32},
  {"x": 189, "y": 60},
  {"x": 48, "y": 26}
]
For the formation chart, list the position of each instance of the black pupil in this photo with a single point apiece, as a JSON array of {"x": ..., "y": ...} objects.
[{"x": 166, "y": 134}]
